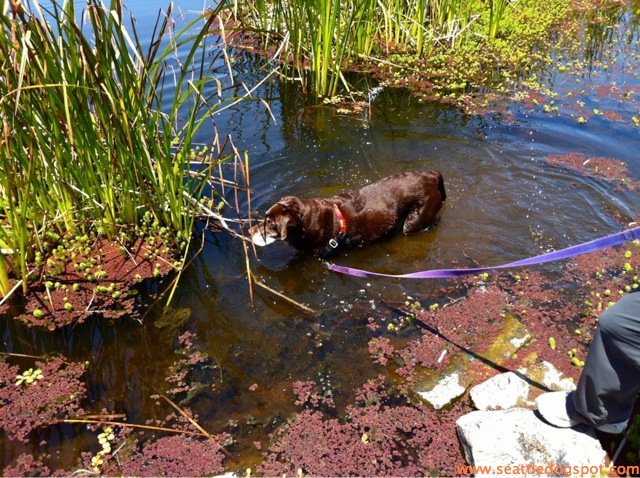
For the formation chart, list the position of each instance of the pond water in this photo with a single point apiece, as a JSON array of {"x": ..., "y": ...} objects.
[{"x": 505, "y": 202}]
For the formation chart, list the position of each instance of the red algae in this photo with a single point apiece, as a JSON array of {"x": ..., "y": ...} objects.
[
  {"x": 27, "y": 465},
  {"x": 377, "y": 437},
  {"x": 608, "y": 169},
  {"x": 174, "y": 456},
  {"x": 190, "y": 374},
  {"x": 389, "y": 431},
  {"x": 54, "y": 392},
  {"x": 89, "y": 278},
  {"x": 310, "y": 394},
  {"x": 381, "y": 350}
]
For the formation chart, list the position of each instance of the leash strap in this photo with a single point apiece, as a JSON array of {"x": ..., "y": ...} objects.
[{"x": 591, "y": 246}]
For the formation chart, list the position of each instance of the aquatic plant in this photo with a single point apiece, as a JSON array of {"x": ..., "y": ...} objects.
[
  {"x": 451, "y": 18},
  {"x": 85, "y": 141},
  {"x": 496, "y": 10},
  {"x": 310, "y": 395},
  {"x": 27, "y": 465},
  {"x": 104, "y": 439},
  {"x": 381, "y": 350},
  {"x": 319, "y": 36},
  {"x": 28, "y": 377},
  {"x": 379, "y": 436},
  {"x": 56, "y": 391},
  {"x": 317, "y": 40},
  {"x": 602, "y": 168},
  {"x": 174, "y": 456}
]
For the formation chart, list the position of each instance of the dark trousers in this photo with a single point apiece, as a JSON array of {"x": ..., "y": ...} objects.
[{"x": 610, "y": 382}]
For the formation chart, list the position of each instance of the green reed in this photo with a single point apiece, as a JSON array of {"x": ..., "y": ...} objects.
[
  {"x": 496, "y": 11},
  {"x": 316, "y": 36},
  {"x": 319, "y": 39},
  {"x": 451, "y": 19},
  {"x": 85, "y": 141},
  {"x": 403, "y": 25}
]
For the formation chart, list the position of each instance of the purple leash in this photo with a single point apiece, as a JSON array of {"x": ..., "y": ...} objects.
[{"x": 591, "y": 246}]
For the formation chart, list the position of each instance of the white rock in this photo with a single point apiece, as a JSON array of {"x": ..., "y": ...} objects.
[
  {"x": 518, "y": 342},
  {"x": 554, "y": 379},
  {"x": 501, "y": 392},
  {"x": 515, "y": 389},
  {"x": 444, "y": 392},
  {"x": 516, "y": 438}
]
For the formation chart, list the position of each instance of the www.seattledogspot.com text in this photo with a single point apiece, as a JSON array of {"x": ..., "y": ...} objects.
[{"x": 551, "y": 469}]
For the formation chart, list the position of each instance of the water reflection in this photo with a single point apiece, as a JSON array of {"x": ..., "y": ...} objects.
[{"x": 505, "y": 202}]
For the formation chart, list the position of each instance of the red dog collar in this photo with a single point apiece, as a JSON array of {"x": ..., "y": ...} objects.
[{"x": 341, "y": 221}]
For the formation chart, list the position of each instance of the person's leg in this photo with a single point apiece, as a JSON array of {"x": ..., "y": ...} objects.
[{"x": 610, "y": 381}]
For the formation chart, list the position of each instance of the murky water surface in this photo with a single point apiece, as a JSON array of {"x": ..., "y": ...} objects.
[{"x": 505, "y": 202}]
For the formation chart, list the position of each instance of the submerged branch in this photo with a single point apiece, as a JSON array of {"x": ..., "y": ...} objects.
[
  {"x": 98, "y": 421},
  {"x": 281, "y": 295}
]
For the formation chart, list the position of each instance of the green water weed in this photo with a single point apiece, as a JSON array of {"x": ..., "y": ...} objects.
[
  {"x": 28, "y": 377},
  {"x": 110, "y": 153},
  {"x": 319, "y": 39}
]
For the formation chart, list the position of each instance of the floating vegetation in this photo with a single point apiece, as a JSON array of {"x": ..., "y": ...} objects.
[
  {"x": 28, "y": 377},
  {"x": 607, "y": 169},
  {"x": 438, "y": 49}
]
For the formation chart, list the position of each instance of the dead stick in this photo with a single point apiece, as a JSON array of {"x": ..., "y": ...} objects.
[
  {"x": 11, "y": 354},
  {"x": 203, "y": 432},
  {"x": 249, "y": 273},
  {"x": 125, "y": 424},
  {"x": 102, "y": 416},
  {"x": 281, "y": 295}
]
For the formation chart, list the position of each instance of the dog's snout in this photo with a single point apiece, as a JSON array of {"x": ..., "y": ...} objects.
[{"x": 259, "y": 235}]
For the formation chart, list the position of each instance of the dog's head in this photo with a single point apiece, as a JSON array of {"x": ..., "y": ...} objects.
[{"x": 280, "y": 220}]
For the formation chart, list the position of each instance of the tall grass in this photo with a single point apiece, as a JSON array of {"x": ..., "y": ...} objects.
[
  {"x": 403, "y": 24},
  {"x": 85, "y": 141},
  {"x": 320, "y": 38},
  {"x": 496, "y": 10}
]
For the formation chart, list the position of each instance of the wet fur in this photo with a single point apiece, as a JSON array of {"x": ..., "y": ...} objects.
[{"x": 405, "y": 202}]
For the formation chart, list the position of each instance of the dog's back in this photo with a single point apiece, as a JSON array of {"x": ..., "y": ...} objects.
[{"x": 406, "y": 202}]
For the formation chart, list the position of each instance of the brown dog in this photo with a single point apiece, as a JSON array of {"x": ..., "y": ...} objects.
[{"x": 406, "y": 202}]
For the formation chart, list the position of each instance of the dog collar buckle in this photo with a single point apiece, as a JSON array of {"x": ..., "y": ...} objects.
[{"x": 334, "y": 244}]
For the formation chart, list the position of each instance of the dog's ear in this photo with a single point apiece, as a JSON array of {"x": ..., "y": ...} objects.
[
  {"x": 293, "y": 205},
  {"x": 288, "y": 216}
]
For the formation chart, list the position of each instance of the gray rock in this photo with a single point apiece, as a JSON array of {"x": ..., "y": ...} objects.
[{"x": 517, "y": 438}]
